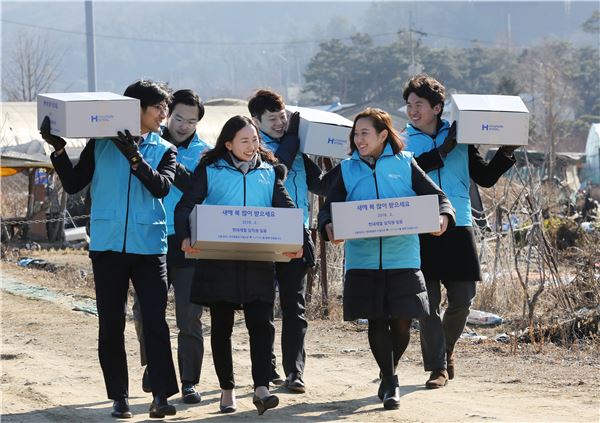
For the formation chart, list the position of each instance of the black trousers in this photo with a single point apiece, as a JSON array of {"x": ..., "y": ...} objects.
[
  {"x": 148, "y": 273},
  {"x": 258, "y": 322},
  {"x": 190, "y": 342},
  {"x": 291, "y": 280}
]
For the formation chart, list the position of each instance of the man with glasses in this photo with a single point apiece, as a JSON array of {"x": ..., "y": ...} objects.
[
  {"x": 185, "y": 112},
  {"x": 129, "y": 177}
]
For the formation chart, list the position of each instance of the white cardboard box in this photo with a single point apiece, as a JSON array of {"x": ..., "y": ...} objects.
[
  {"x": 323, "y": 133},
  {"x": 89, "y": 115},
  {"x": 386, "y": 217},
  {"x": 490, "y": 119},
  {"x": 245, "y": 233}
]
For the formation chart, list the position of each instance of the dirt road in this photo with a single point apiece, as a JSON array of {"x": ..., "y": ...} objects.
[{"x": 50, "y": 372}]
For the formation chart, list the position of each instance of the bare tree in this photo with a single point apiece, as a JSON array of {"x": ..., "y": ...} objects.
[{"x": 32, "y": 68}]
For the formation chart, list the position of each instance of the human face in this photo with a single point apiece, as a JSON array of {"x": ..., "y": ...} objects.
[
  {"x": 245, "y": 143},
  {"x": 367, "y": 140},
  {"x": 422, "y": 116},
  {"x": 272, "y": 123},
  {"x": 182, "y": 122},
  {"x": 152, "y": 117}
]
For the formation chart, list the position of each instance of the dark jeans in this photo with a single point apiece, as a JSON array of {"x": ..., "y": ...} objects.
[
  {"x": 291, "y": 280},
  {"x": 190, "y": 343},
  {"x": 148, "y": 273},
  {"x": 437, "y": 335},
  {"x": 258, "y": 322}
]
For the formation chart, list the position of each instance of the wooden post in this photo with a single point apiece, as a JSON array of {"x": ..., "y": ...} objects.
[{"x": 326, "y": 165}]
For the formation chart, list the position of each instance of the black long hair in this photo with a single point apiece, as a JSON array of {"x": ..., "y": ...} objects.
[{"x": 230, "y": 129}]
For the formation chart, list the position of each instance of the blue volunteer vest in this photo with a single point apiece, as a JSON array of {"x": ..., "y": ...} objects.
[
  {"x": 189, "y": 158},
  {"x": 125, "y": 216},
  {"x": 454, "y": 177},
  {"x": 295, "y": 184},
  {"x": 392, "y": 177},
  {"x": 227, "y": 186}
]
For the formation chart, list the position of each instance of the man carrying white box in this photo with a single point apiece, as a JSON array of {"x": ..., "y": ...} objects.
[
  {"x": 451, "y": 259},
  {"x": 128, "y": 176},
  {"x": 268, "y": 112}
]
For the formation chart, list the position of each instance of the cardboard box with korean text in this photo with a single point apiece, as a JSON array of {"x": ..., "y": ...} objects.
[
  {"x": 323, "y": 133},
  {"x": 245, "y": 233},
  {"x": 490, "y": 119},
  {"x": 89, "y": 115},
  {"x": 385, "y": 217}
]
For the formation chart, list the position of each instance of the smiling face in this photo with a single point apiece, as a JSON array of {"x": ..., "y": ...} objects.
[
  {"x": 368, "y": 142},
  {"x": 153, "y": 117},
  {"x": 182, "y": 122},
  {"x": 245, "y": 143},
  {"x": 272, "y": 123},
  {"x": 422, "y": 116}
]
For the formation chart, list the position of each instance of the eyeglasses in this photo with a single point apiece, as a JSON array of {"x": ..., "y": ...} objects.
[{"x": 161, "y": 108}]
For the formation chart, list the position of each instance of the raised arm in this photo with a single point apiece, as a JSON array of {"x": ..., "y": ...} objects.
[{"x": 485, "y": 173}]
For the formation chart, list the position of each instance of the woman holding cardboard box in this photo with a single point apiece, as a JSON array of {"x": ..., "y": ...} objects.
[
  {"x": 383, "y": 282},
  {"x": 239, "y": 171},
  {"x": 451, "y": 259}
]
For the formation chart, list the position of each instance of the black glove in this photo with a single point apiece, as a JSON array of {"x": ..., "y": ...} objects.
[
  {"x": 293, "y": 124},
  {"x": 55, "y": 141},
  {"x": 290, "y": 143},
  {"x": 128, "y": 145},
  {"x": 508, "y": 150},
  {"x": 449, "y": 142}
]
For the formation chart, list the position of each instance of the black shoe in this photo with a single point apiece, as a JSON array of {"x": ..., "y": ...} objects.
[
  {"x": 276, "y": 379},
  {"x": 263, "y": 404},
  {"x": 295, "y": 383},
  {"x": 391, "y": 395},
  {"x": 160, "y": 408},
  {"x": 121, "y": 409},
  {"x": 189, "y": 394},
  {"x": 146, "y": 385},
  {"x": 226, "y": 409}
]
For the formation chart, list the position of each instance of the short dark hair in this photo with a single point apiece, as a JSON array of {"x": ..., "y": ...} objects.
[
  {"x": 381, "y": 120},
  {"x": 428, "y": 88},
  {"x": 149, "y": 92},
  {"x": 230, "y": 129},
  {"x": 265, "y": 101},
  {"x": 189, "y": 98}
]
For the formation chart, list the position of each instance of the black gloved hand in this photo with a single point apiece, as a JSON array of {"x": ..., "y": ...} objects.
[
  {"x": 289, "y": 143},
  {"x": 293, "y": 124},
  {"x": 128, "y": 145},
  {"x": 508, "y": 150},
  {"x": 55, "y": 141},
  {"x": 449, "y": 142}
]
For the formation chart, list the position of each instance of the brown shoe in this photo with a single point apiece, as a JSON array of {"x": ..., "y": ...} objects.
[
  {"x": 437, "y": 379},
  {"x": 450, "y": 364}
]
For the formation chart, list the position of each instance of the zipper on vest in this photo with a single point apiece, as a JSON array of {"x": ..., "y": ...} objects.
[
  {"x": 127, "y": 211},
  {"x": 438, "y": 169},
  {"x": 244, "y": 189},
  {"x": 380, "y": 238}
]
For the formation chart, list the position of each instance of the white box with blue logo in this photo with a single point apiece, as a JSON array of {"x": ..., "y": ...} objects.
[
  {"x": 490, "y": 119},
  {"x": 323, "y": 133},
  {"x": 245, "y": 233},
  {"x": 89, "y": 115}
]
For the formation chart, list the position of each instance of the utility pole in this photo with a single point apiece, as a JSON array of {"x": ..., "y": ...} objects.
[
  {"x": 414, "y": 68},
  {"x": 91, "y": 48}
]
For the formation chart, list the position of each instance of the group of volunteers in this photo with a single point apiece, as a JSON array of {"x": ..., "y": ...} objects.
[{"x": 143, "y": 189}]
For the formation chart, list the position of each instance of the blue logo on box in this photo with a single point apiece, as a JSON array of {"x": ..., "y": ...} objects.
[
  {"x": 101, "y": 118},
  {"x": 336, "y": 141},
  {"x": 50, "y": 104},
  {"x": 488, "y": 127}
]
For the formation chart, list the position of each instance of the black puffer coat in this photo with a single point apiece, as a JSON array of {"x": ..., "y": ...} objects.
[{"x": 237, "y": 282}]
